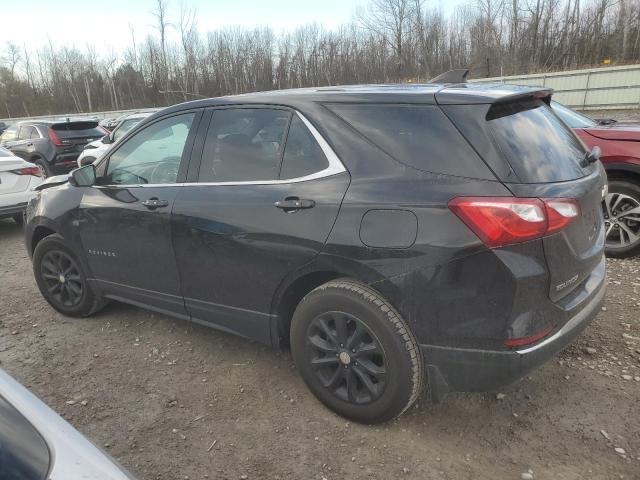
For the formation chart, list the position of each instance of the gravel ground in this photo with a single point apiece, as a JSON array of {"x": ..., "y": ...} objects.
[
  {"x": 622, "y": 116},
  {"x": 172, "y": 400}
]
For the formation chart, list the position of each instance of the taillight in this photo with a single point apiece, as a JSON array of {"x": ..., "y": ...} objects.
[
  {"x": 54, "y": 138},
  {"x": 500, "y": 221},
  {"x": 560, "y": 213},
  {"x": 35, "y": 171}
]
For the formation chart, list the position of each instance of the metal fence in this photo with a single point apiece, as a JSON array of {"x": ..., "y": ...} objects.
[
  {"x": 606, "y": 88},
  {"x": 64, "y": 117}
]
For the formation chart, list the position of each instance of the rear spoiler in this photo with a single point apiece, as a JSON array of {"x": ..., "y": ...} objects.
[
  {"x": 457, "y": 91},
  {"x": 75, "y": 125}
]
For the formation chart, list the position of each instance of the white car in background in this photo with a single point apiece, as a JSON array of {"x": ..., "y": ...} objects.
[
  {"x": 95, "y": 150},
  {"x": 18, "y": 178}
]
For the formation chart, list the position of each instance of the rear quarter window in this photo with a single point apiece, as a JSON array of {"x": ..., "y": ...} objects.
[
  {"x": 537, "y": 144},
  {"x": 420, "y": 136}
]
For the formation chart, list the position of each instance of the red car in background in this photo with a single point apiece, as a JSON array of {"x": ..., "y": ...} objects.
[{"x": 620, "y": 154}]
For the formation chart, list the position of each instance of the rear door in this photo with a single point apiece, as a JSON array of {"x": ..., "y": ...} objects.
[
  {"x": 549, "y": 161},
  {"x": 256, "y": 209}
]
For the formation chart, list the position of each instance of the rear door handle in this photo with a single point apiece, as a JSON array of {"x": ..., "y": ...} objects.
[
  {"x": 293, "y": 204},
  {"x": 154, "y": 203}
]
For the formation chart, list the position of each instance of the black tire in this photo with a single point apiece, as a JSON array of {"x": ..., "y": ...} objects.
[
  {"x": 44, "y": 166},
  {"x": 386, "y": 346},
  {"x": 630, "y": 190},
  {"x": 45, "y": 266},
  {"x": 19, "y": 219}
]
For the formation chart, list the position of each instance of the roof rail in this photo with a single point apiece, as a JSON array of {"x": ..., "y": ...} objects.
[{"x": 452, "y": 76}]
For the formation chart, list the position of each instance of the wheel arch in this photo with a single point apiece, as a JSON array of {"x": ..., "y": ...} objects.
[
  {"x": 40, "y": 232},
  {"x": 289, "y": 296},
  {"x": 623, "y": 171}
]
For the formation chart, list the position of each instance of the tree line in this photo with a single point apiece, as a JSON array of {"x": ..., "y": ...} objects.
[{"x": 386, "y": 41}]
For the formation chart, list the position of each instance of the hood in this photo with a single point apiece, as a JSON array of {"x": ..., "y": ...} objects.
[
  {"x": 53, "y": 182},
  {"x": 616, "y": 131}
]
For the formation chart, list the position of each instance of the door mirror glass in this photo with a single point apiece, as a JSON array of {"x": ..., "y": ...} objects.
[{"x": 84, "y": 176}]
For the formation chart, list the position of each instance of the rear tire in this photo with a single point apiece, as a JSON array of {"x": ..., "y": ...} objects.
[
  {"x": 356, "y": 353},
  {"x": 61, "y": 279},
  {"x": 621, "y": 228}
]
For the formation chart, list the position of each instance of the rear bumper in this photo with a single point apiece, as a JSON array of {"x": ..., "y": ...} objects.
[
  {"x": 12, "y": 210},
  {"x": 468, "y": 370}
]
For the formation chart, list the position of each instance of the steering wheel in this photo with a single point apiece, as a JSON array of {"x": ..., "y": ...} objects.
[{"x": 167, "y": 171}]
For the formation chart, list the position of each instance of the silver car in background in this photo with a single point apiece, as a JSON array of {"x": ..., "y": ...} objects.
[
  {"x": 37, "y": 444},
  {"x": 95, "y": 150}
]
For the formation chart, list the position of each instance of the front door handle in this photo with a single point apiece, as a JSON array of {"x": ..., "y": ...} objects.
[
  {"x": 293, "y": 204},
  {"x": 154, "y": 203}
]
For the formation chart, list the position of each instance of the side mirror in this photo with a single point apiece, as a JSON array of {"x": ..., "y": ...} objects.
[
  {"x": 107, "y": 140},
  {"x": 83, "y": 176}
]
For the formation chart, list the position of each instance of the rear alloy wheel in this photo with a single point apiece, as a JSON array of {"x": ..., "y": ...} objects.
[
  {"x": 61, "y": 280},
  {"x": 621, "y": 209},
  {"x": 355, "y": 352},
  {"x": 44, "y": 167}
]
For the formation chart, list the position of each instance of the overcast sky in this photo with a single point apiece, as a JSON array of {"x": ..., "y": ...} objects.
[{"x": 106, "y": 24}]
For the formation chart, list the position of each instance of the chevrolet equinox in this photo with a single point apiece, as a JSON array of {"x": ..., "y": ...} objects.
[{"x": 397, "y": 238}]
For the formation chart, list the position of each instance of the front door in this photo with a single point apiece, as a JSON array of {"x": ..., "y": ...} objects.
[
  {"x": 259, "y": 210},
  {"x": 124, "y": 220}
]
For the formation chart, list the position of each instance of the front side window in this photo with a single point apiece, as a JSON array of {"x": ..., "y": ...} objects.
[
  {"x": 124, "y": 127},
  {"x": 302, "y": 154},
  {"x": 244, "y": 144},
  {"x": 151, "y": 156},
  {"x": 9, "y": 134}
]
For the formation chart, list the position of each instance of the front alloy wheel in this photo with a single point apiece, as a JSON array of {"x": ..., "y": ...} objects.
[
  {"x": 62, "y": 278},
  {"x": 621, "y": 208}
]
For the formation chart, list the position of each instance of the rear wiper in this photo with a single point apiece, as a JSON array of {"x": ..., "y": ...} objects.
[{"x": 592, "y": 156}]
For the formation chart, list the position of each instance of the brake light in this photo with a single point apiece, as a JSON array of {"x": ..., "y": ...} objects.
[
  {"x": 560, "y": 213},
  {"x": 35, "y": 171},
  {"x": 500, "y": 221},
  {"x": 54, "y": 138}
]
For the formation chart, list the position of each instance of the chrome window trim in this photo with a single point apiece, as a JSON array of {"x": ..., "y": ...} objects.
[{"x": 335, "y": 166}]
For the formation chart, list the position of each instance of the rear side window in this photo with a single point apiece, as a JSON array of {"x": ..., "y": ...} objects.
[
  {"x": 537, "y": 144},
  {"x": 78, "y": 130},
  {"x": 302, "y": 154},
  {"x": 243, "y": 144},
  {"x": 27, "y": 132},
  {"x": 417, "y": 135}
]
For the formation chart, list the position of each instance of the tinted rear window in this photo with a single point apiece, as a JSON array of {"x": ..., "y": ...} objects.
[
  {"x": 78, "y": 129},
  {"x": 417, "y": 135},
  {"x": 539, "y": 147}
]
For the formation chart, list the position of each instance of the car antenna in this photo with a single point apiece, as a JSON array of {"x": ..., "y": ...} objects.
[{"x": 452, "y": 76}]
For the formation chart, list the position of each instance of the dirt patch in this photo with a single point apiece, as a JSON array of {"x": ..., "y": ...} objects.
[{"x": 172, "y": 400}]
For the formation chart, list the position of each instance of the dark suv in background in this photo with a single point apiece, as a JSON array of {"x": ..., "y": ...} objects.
[
  {"x": 390, "y": 235},
  {"x": 53, "y": 146}
]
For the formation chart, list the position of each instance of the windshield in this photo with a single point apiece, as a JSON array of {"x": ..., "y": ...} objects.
[
  {"x": 539, "y": 147},
  {"x": 571, "y": 117},
  {"x": 124, "y": 127}
]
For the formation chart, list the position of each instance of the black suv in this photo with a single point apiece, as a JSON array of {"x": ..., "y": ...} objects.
[
  {"x": 390, "y": 235},
  {"x": 53, "y": 146}
]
